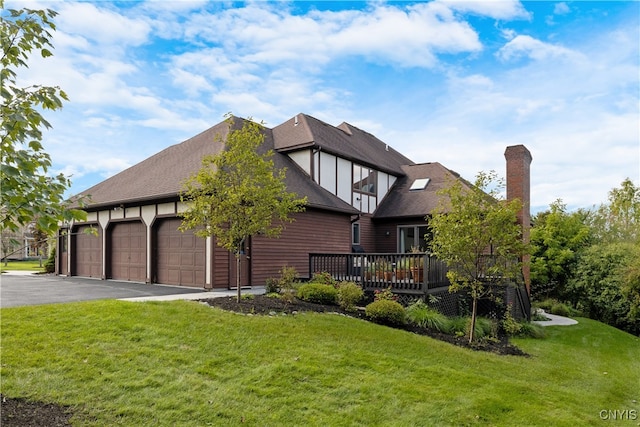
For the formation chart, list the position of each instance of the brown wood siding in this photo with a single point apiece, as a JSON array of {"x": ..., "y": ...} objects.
[
  {"x": 384, "y": 243},
  {"x": 367, "y": 233},
  {"x": 221, "y": 260},
  {"x": 312, "y": 231},
  {"x": 128, "y": 251},
  {"x": 86, "y": 252},
  {"x": 179, "y": 256}
]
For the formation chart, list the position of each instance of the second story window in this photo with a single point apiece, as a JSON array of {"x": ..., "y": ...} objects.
[{"x": 364, "y": 180}]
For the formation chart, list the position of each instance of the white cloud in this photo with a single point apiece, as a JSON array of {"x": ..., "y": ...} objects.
[
  {"x": 497, "y": 9},
  {"x": 527, "y": 46},
  {"x": 101, "y": 25},
  {"x": 578, "y": 117},
  {"x": 214, "y": 65},
  {"x": 176, "y": 6},
  {"x": 191, "y": 83},
  {"x": 152, "y": 74},
  {"x": 561, "y": 9},
  {"x": 409, "y": 36}
]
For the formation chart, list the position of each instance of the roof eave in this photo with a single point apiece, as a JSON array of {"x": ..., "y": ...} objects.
[{"x": 140, "y": 201}]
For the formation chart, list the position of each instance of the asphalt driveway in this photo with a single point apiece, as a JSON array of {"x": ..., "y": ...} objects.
[{"x": 19, "y": 289}]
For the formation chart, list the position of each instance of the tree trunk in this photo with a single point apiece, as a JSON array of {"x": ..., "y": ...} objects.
[
  {"x": 238, "y": 274},
  {"x": 474, "y": 310}
]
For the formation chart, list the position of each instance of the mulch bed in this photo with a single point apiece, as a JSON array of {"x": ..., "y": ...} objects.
[{"x": 19, "y": 412}]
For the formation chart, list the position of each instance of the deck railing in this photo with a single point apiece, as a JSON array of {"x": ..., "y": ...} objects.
[
  {"x": 411, "y": 275},
  {"x": 404, "y": 273}
]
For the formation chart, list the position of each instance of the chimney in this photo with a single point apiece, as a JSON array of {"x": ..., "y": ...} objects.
[{"x": 519, "y": 187}]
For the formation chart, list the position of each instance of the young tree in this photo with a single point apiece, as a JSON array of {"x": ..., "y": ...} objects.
[
  {"x": 557, "y": 237},
  {"x": 477, "y": 234},
  {"x": 40, "y": 240},
  {"x": 29, "y": 192},
  {"x": 238, "y": 193},
  {"x": 619, "y": 220}
]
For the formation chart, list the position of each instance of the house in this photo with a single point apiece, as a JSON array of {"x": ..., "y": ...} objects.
[
  {"x": 361, "y": 195},
  {"x": 23, "y": 244}
]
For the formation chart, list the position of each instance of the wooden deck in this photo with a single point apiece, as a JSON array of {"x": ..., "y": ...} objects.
[{"x": 411, "y": 276}]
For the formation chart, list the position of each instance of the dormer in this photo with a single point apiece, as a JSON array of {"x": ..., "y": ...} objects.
[{"x": 348, "y": 162}]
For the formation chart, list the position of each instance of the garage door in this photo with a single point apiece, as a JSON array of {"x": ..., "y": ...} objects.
[
  {"x": 128, "y": 251},
  {"x": 86, "y": 251},
  {"x": 180, "y": 256}
]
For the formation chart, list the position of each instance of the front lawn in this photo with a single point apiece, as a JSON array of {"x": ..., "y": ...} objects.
[
  {"x": 185, "y": 363},
  {"x": 33, "y": 266}
]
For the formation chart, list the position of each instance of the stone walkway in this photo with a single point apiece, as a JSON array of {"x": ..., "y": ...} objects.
[
  {"x": 554, "y": 320},
  {"x": 256, "y": 290}
]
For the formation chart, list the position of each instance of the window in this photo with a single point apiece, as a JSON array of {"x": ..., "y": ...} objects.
[
  {"x": 364, "y": 180},
  {"x": 355, "y": 233},
  {"x": 419, "y": 184},
  {"x": 412, "y": 236}
]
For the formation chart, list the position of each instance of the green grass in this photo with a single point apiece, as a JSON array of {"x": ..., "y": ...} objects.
[
  {"x": 186, "y": 364},
  {"x": 23, "y": 265}
]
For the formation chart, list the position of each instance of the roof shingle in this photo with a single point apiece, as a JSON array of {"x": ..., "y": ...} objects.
[
  {"x": 162, "y": 175},
  {"x": 346, "y": 141},
  {"x": 402, "y": 202}
]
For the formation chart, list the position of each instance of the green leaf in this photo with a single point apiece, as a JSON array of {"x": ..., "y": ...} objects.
[{"x": 28, "y": 193}]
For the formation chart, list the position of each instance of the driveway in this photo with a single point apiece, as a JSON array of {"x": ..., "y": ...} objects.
[{"x": 18, "y": 289}]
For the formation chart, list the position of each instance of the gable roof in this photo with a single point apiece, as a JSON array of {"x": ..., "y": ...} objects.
[
  {"x": 402, "y": 202},
  {"x": 161, "y": 176},
  {"x": 345, "y": 140}
]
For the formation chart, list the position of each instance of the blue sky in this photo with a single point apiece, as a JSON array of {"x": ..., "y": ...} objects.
[{"x": 448, "y": 81}]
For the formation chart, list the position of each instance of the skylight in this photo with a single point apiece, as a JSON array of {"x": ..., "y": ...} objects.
[{"x": 419, "y": 184}]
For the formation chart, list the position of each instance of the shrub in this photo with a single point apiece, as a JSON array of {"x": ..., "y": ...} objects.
[
  {"x": 318, "y": 293},
  {"x": 272, "y": 286},
  {"x": 538, "y": 315},
  {"x": 287, "y": 283},
  {"x": 601, "y": 284},
  {"x": 288, "y": 277},
  {"x": 560, "y": 309},
  {"x": 532, "y": 330},
  {"x": 323, "y": 278},
  {"x": 349, "y": 294},
  {"x": 510, "y": 326},
  {"x": 546, "y": 304},
  {"x": 556, "y": 307},
  {"x": 384, "y": 294},
  {"x": 456, "y": 325},
  {"x": 386, "y": 312},
  {"x": 460, "y": 326},
  {"x": 275, "y": 295},
  {"x": 50, "y": 265},
  {"x": 484, "y": 327},
  {"x": 422, "y": 315}
]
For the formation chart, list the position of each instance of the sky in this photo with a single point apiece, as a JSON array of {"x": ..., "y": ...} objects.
[{"x": 449, "y": 81}]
